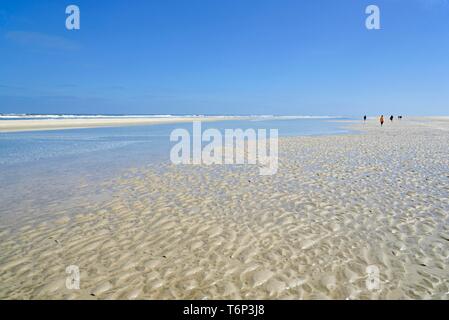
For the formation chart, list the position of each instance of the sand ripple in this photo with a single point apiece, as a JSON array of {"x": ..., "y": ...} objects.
[{"x": 337, "y": 205}]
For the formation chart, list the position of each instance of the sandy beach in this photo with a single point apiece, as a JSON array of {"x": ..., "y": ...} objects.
[
  {"x": 337, "y": 205},
  {"x": 79, "y": 123}
]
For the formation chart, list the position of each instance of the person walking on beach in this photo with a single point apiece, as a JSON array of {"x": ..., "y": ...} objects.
[
  {"x": 381, "y": 120},
  {"x": 391, "y": 118},
  {"x": 364, "y": 118}
]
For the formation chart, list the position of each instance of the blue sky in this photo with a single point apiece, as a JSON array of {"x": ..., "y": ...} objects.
[{"x": 311, "y": 57}]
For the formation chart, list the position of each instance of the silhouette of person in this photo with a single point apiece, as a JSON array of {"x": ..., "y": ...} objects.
[{"x": 364, "y": 118}]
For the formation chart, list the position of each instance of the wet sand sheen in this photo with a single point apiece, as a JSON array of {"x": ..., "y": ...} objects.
[{"x": 337, "y": 205}]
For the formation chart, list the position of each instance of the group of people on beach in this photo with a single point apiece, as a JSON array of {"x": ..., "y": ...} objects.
[{"x": 382, "y": 120}]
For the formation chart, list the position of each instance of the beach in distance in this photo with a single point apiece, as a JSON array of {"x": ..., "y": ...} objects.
[
  {"x": 22, "y": 123},
  {"x": 347, "y": 202},
  {"x": 58, "y": 123}
]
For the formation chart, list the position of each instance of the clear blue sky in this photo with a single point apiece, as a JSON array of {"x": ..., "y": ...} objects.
[{"x": 225, "y": 57}]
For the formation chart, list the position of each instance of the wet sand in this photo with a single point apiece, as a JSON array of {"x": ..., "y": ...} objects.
[{"x": 337, "y": 205}]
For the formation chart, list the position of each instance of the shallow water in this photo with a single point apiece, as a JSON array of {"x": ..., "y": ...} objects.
[{"x": 42, "y": 167}]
